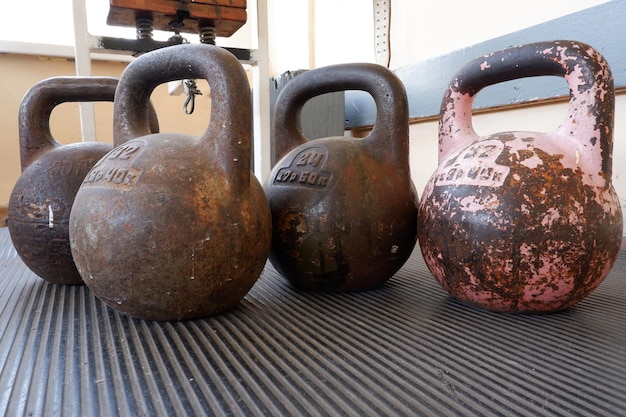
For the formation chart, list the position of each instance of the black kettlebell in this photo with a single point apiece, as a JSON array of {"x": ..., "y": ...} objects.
[
  {"x": 171, "y": 226},
  {"x": 41, "y": 200},
  {"x": 344, "y": 210}
]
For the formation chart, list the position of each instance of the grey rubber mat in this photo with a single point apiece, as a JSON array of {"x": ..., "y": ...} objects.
[{"x": 405, "y": 349}]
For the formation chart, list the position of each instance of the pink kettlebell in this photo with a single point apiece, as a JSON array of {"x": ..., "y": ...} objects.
[{"x": 524, "y": 222}]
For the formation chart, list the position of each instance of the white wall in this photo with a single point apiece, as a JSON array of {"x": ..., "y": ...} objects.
[
  {"x": 425, "y": 29},
  {"x": 343, "y": 30}
]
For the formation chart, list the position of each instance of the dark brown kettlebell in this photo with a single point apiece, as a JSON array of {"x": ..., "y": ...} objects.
[
  {"x": 171, "y": 226},
  {"x": 41, "y": 200},
  {"x": 525, "y": 222},
  {"x": 344, "y": 210}
]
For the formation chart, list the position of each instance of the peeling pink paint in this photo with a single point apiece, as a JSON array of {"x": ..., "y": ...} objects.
[{"x": 525, "y": 221}]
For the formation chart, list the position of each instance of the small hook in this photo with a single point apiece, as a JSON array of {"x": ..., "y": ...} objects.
[
  {"x": 192, "y": 92},
  {"x": 190, "y": 104}
]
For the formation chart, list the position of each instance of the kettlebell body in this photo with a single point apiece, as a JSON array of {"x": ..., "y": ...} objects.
[
  {"x": 170, "y": 226},
  {"x": 42, "y": 197},
  {"x": 524, "y": 222},
  {"x": 344, "y": 210}
]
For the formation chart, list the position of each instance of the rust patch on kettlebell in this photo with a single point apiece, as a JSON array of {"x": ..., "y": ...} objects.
[
  {"x": 544, "y": 235},
  {"x": 558, "y": 237}
]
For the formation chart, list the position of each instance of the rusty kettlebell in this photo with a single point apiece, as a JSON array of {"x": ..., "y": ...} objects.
[
  {"x": 41, "y": 200},
  {"x": 344, "y": 210},
  {"x": 171, "y": 226},
  {"x": 524, "y": 222}
]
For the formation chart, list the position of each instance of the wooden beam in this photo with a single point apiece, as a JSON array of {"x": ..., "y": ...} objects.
[{"x": 225, "y": 15}]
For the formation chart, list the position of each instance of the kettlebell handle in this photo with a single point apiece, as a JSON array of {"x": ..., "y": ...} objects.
[
  {"x": 38, "y": 103},
  {"x": 227, "y": 139},
  {"x": 591, "y": 106},
  {"x": 388, "y": 140}
]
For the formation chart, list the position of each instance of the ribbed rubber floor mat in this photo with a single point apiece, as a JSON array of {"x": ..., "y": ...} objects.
[{"x": 406, "y": 349}]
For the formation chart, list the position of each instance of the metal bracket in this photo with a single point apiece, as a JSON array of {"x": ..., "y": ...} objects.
[{"x": 141, "y": 46}]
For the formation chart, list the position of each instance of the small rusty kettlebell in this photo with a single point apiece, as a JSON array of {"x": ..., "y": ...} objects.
[
  {"x": 170, "y": 226},
  {"x": 524, "y": 222},
  {"x": 41, "y": 200},
  {"x": 344, "y": 210}
]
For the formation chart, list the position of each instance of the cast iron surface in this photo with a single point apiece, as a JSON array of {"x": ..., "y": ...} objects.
[
  {"x": 404, "y": 349},
  {"x": 170, "y": 226},
  {"x": 550, "y": 194},
  {"x": 41, "y": 200},
  {"x": 344, "y": 210}
]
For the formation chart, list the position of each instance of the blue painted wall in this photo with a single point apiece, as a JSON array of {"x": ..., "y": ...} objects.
[{"x": 602, "y": 26}]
